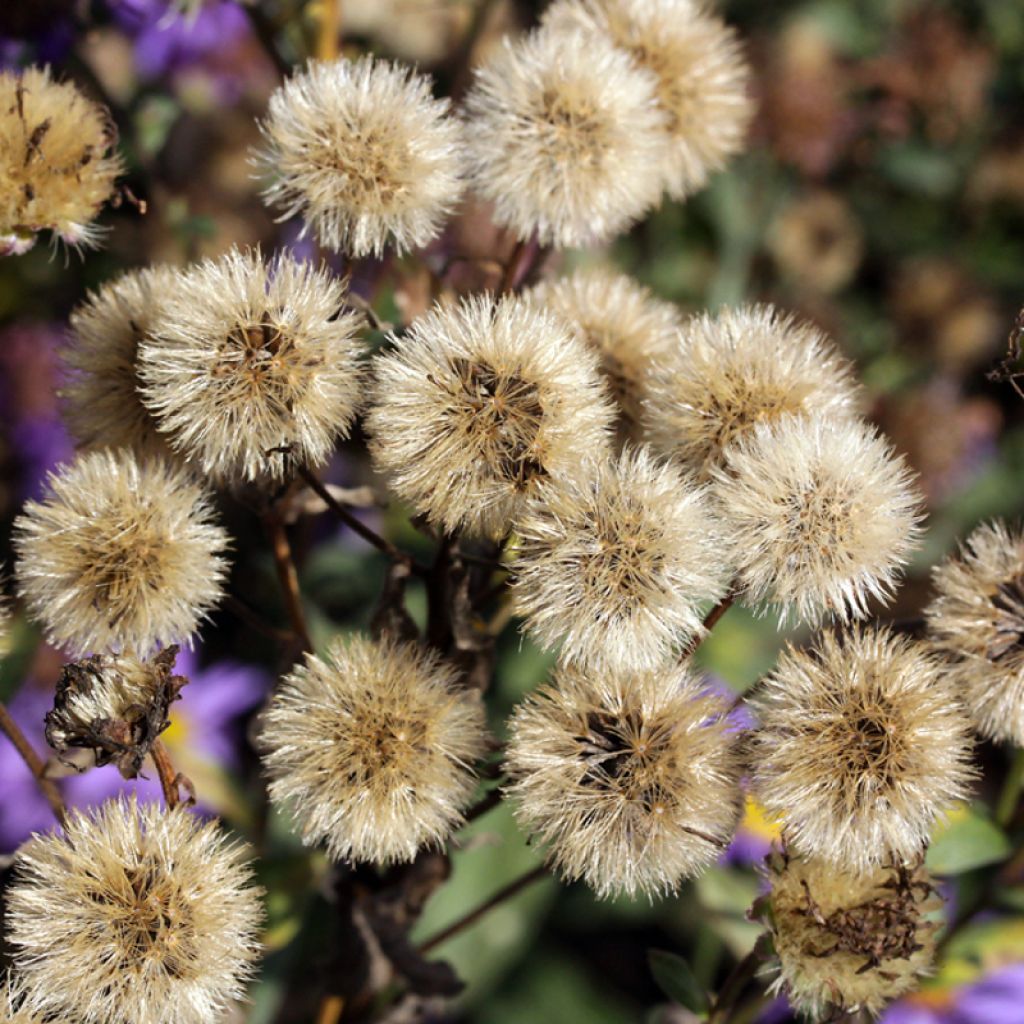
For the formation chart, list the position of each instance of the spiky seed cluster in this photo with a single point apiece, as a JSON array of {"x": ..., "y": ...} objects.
[
  {"x": 364, "y": 153},
  {"x": 628, "y": 328},
  {"x": 135, "y": 915},
  {"x": 564, "y": 136},
  {"x": 861, "y": 748},
  {"x": 373, "y": 749},
  {"x": 102, "y": 404},
  {"x": 121, "y": 554},
  {"x": 702, "y": 77},
  {"x": 632, "y": 779},
  {"x": 15, "y": 1008},
  {"x": 976, "y": 621},
  {"x": 56, "y": 165},
  {"x": 616, "y": 564},
  {"x": 821, "y": 516},
  {"x": 848, "y": 940},
  {"x": 247, "y": 358},
  {"x": 729, "y": 372},
  {"x": 478, "y": 403}
]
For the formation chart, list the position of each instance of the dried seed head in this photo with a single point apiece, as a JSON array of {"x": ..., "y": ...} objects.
[
  {"x": 477, "y": 404},
  {"x": 977, "y": 622},
  {"x": 120, "y": 554},
  {"x": 822, "y": 516},
  {"x": 729, "y": 372},
  {"x": 847, "y": 941},
  {"x": 245, "y": 359},
  {"x": 616, "y": 564},
  {"x": 632, "y": 779},
  {"x": 628, "y": 328},
  {"x": 135, "y": 915},
  {"x": 861, "y": 748},
  {"x": 102, "y": 405},
  {"x": 364, "y": 153},
  {"x": 564, "y": 136},
  {"x": 702, "y": 77},
  {"x": 373, "y": 749},
  {"x": 56, "y": 165},
  {"x": 15, "y": 1007}
]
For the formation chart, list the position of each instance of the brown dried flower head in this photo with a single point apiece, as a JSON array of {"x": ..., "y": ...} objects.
[
  {"x": 134, "y": 915},
  {"x": 373, "y": 749},
  {"x": 861, "y": 748},
  {"x": 632, "y": 779},
  {"x": 56, "y": 165},
  {"x": 120, "y": 554},
  {"x": 477, "y": 404}
]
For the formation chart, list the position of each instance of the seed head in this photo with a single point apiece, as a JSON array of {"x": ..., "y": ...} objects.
[
  {"x": 616, "y": 563},
  {"x": 564, "y": 136},
  {"x": 247, "y": 358},
  {"x": 845, "y": 940},
  {"x": 119, "y": 554},
  {"x": 373, "y": 749},
  {"x": 977, "y": 622},
  {"x": 15, "y": 1008},
  {"x": 729, "y": 372},
  {"x": 702, "y": 77},
  {"x": 628, "y": 328},
  {"x": 135, "y": 915},
  {"x": 477, "y": 404},
  {"x": 56, "y": 165},
  {"x": 364, "y": 153},
  {"x": 821, "y": 515},
  {"x": 861, "y": 748},
  {"x": 632, "y": 779}
]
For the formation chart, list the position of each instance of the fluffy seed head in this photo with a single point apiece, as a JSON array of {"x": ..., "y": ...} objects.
[
  {"x": 821, "y": 516},
  {"x": 56, "y": 165},
  {"x": 565, "y": 138},
  {"x": 616, "y": 563},
  {"x": 977, "y": 622},
  {"x": 628, "y": 328},
  {"x": 102, "y": 405},
  {"x": 135, "y": 915},
  {"x": 480, "y": 402},
  {"x": 702, "y": 77},
  {"x": 119, "y": 554},
  {"x": 632, "y": 779},
  {"x": 15, "y": 1008},
  {"x": 729, "y": 372},
  {"x": 246, "y": 358},
  {"x": 373, "y": 749},
  {"x": 364, "y": 153},
  {"x": 848, "y": 940},
  {"x": 861, "y": 748}
]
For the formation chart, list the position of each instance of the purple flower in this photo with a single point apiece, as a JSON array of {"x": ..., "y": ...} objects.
[{"x": 996, "y": 998}]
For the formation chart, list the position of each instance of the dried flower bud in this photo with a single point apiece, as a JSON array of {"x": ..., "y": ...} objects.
[
  {"x": 847, "y": 941},
  {"x": 56, "y": 165},
  {"x": 977, "y": 622},
  {"x": 632, "y": 778},
  {"x": 617, "y": 563},
  {"x": 861, "y": 748},
  {"x": 246, "y": 359},
  {"x": 373, "y": 749},
  {"x": 121, "y": 554},
  {"x": 363, "y": 151},
  {"x": 477, "y": 404},
  {"x": 564, "y": 136}
]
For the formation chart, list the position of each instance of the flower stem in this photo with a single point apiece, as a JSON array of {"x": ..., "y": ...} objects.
[
  {"x": 329, "y": 31},
  {"x": 710, "y": 620},
  {"x": 289, "y": 579},
  {"x": 1009, "y": 796},
  {"x": 35, "y": 763},
  {"x": 165, "y": 770},
  {"x": 735, "y": 984}
]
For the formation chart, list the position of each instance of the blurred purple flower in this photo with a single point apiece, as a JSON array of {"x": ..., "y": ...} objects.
[{"x": 996, "y": 998}]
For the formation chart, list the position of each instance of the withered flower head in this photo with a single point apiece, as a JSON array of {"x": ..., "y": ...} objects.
[
  {"x": 478, "y": 403},
  {"x": 846, "y": 940},
  {"x": 134, "y": 915},
  {"x": 56, "y": 165},
  {"x": 631, "y": 779},
  {"x": 861, "y": 748},
  {"x": 373, "y": 749}
]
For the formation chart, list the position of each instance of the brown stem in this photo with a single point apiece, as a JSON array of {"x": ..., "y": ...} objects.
[
  {"x": 35, "y": 763},
  {"x": 710, "y": 620},
  {"x": 464, "y": 56},
  {"x": 733, "y": 986},
  {"x": 482, "y": 806},
  {"x": 510, "y": 890},
  {"x": 289, "y": 579},
  {"x": 243, "y": 612},
  {"x": 510, "y": 278},
  {"x": 165, "y": 770}
]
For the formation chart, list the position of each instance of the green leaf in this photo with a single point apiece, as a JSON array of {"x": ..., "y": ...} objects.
[
  {"x": 676, "y": 980},
  {"x": 969, "y": 841}
]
